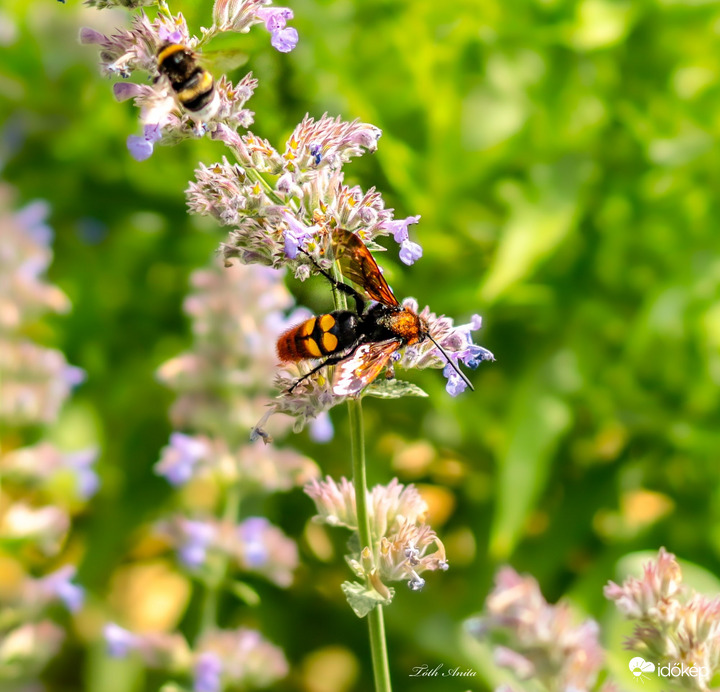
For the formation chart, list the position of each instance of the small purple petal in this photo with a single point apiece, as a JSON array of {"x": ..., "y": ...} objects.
[
  {"x": 198, "y": 536},
  {"x": 140, "y": 149},
  {"x": 321, "y": 429},
  {"x": 399, "y": 227},
  {"x": 473, "y": 355},
  {"x": 167, "y": 36},
  {"x": 284, "y": 40},
  {"x": 126, "y": 90},
  {"x": 252, "y": 534},
  {"x": 71, "y": 595},
  {"x": 88, "y": 35},
  {"x": 455, "y": 384},
  {"x": 73, "y": 376},
  {"x": 291, "y": 245},
  {"x": 475, "y": 322},
  {"x": 119, "y": 641},
  {"x": 275, "y": 18},
  {"x": 207, "y": 672},
  {"x": 410, "y": 252}
]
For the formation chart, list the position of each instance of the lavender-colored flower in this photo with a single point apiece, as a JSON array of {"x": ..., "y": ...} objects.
[
  {"x": 539, "y": 639},
  {"x": 57, "y": 586},
  {"x": 141, "y": 148},
  {"x": 673, "y": 623},
  {"x": 248, "y": 660},
  {"x": 399, "y": 228},
  {"x": 263, "y": 548},
  {"x": 120, "y": 642},
  {"x": 206, "y": 673},
  {"x": 321, "y": 429},
  {"x": 284, "y": 40},
  {"x": 42, "y": 461},
  {"x": 410, "y": 252},
  {"x": 198, "y": 537},
  {"x": 180, "y": 459},
  {"x": 156, "y": 649}
]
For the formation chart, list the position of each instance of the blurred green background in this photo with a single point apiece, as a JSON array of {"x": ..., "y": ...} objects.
[{"x": 563, "y": 158}]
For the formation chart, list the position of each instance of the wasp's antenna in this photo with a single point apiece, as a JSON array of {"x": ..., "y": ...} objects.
[{"x": 453, "y": 365}]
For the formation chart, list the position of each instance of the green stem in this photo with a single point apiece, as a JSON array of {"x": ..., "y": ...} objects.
[
  {"x": 376, "y": 624},
  {"x": 213, "y": 584}
]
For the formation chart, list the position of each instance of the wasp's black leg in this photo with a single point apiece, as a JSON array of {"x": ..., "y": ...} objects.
[
  {"x": 332, "y": 360},
  {"x": 340, "y": 286}
]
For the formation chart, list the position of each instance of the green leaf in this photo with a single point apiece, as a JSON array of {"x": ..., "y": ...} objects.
[
  {"x": 393, "y": 389},
  {"x": 362, "y": 599},
  {"x": 245, "y": 593},
  {"x": 537, "y": 423}
]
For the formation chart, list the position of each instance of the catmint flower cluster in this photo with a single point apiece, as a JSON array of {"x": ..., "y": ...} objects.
[
  {"x": 42, "y": 484},
  {"x": 220, "y": 659},
  {"x": 674, "y": 625},
  {"x": 403, "y": 545},
  {"x": 539, "y": 640},
  {"x": 164, "y": 116},
  {"x": 221, "y": 382}
]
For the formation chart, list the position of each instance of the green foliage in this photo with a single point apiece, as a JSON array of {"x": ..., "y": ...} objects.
[{"x": 562, "y": 155}]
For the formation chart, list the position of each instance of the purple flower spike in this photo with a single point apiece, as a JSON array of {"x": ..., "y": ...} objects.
[
  {"x": 119, "y": 641},
  {"x": 285, "y": 40},
  {"x": 208, "y": 669},
  {"x": 410, "y": 252}
]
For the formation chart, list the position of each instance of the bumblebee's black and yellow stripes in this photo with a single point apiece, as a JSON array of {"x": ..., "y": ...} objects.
[
  {"x": 318, "y": 337},
  {"x": 193, "y": 85}
]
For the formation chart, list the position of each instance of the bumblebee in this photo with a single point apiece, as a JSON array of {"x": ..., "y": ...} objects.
[
  {"x": 193, "y": 85},
  {"x": 361, "y": 342}
]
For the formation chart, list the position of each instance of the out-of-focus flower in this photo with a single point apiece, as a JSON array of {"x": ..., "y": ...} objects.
[
  {"x": 27, "y": 648},
  {"x": 207, "y": 672},
  {"x": 35, "y": 380},
  {"x": 156, "y": 649},
  {"x": 238, "y": 315},
  {"x": 255, "y": 545},
  {"x": 45, "y": 526},
  {"x": 181, "y": 457},
  {"x": 57, "y": 585},
  {"x": 674, "y": 625},
  {"x": 540, "y": 641},
  {"x": 264, "y": 549},
  {"x": 42, "y": 461},
  {"x": 247, "y": 660}
]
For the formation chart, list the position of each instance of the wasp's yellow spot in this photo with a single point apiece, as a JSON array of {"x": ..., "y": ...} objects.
[
  {"x": 313, "y": 348},
  {"x": 327, "y": 322},
  {"x": 307, "y": 328},
  {"x": 329, "y": 341}
]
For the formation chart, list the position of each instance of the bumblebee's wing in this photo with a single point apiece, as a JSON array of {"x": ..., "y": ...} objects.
[
  {"x": 358, "y": 371},
  {"x": 358, "y": 265}
]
